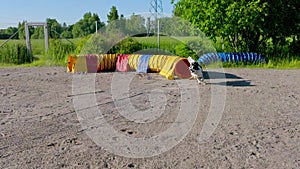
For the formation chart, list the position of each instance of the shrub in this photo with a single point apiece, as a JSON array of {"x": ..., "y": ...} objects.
[
  {"x": 59, "y": 51},
  {"x": 183, "y": 50},
  {"x": 126, "y": 46},
  {"x": 15, "y": 54},
  {"x": 92, "y": 44}
]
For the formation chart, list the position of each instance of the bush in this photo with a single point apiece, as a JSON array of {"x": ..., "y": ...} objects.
[
  {"x": 183, "y": 50},
  {"x": 92, "y": 44},
  {"x": 59, "y": 51},
  {"x": 166, "y": 43},
  {"x": 15, "y": 54},
  {"x": 126, "y": 46}
]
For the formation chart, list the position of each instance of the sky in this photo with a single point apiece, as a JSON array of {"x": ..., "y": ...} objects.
[{"x": 69, "y": 11}]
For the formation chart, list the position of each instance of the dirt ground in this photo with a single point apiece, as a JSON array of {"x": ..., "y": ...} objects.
[{"x": 259, "y": 128}]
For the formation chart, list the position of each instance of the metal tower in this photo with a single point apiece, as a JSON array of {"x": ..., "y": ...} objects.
[
  {"x": 156, "y": 8},
  {"x": 156, "y": 11}
]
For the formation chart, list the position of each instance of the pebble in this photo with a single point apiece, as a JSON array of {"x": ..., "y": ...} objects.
[{"x": 130, "y": 165}]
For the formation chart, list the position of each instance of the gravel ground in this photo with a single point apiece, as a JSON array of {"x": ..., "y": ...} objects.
[{"x": 259, "y": 128}]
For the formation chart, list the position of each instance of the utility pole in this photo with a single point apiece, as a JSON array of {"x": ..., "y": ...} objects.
[
  {"x": 96, "y": 27},
  {"x": 158, "y": 36},
  {"x": 46, "y": 36}
]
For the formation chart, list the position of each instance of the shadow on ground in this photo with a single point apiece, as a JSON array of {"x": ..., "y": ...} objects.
[
  {"x": 219, "y": 75},
  {"x": 240, "y": 82}
]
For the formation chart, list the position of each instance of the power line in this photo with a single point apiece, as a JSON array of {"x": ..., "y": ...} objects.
[
  {"x": 9, "y": 38},
  {"x": 156, "y": 10},
  {"x": 61, "y": 36}
]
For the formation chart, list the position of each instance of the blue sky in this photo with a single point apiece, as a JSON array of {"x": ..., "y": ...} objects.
[{"x": 69, "y": 11}]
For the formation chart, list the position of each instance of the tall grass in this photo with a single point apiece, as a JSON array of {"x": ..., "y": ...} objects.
[
  {"x": 59, "y": 51},
  {"x": 15, "y": 54}
]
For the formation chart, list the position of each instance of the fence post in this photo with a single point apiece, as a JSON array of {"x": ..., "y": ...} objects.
[
  {"x": 46, "y": 37},
  {"x": 27, "y": 38}
]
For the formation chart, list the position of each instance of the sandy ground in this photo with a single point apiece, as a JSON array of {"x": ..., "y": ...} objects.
[{"x": 259, "y": 128}]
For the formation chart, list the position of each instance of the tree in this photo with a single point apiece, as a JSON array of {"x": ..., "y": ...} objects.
[
  {"x": 135, "y": 25},
  {"x": 113, "y": 21},
  {"x": 126, "y": 46},
  {"x": 175, "y": 26},
  {"x": 7, "y": 33},
  {"x": 87, "y": 25},
  {"x": 67, "y": 31},
  {"x": 282, "y": 20},
  {"x": 113, "y": 14},
  {"x": 54, "y": 28},
  {"x": 38, "y": 33},
  {"x": 21, "y": 28},
  {"x": 122, "y": 23},
  {"x": 248, "y": 25}
]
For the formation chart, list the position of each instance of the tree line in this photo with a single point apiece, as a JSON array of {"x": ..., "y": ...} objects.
[
  {"x": 85, "y": 26},
  {"x": 135, "y": 25}
]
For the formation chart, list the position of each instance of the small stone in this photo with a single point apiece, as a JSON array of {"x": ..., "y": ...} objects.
[
  {"x": 254, "y": 142},
  {"x": 233, "y": 133},
  {"x": 130, "y": 165}
]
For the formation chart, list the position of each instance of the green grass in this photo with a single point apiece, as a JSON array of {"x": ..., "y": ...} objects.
[
  {"x": 278, "y": 64},
  {"x": 37, "y": 45},
  {"x": 167, "y": 43},
  {"x": 283, "y": 64}
]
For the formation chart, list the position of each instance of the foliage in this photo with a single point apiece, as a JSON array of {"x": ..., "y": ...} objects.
[
  {"x": 38, "y": 33},
  {"x": 15, "y": 54},
  {"x": 21, "y": 28},
  {"x": 59, "y": 51},
  {"x": 200, "y": 46},
  {"x": 67, "y": 31},
  {"x": 166, "y": 43},
  {"x": 193, "y": 46},
  {"x": 87, "y": 25},
  {"x": 81, "y": 43},
  {"x": 6, "y": 33},
  {"x": 248, "y": 25},
  {"x": 114, "y": 25},
  {"x": 54, "y": 28},
  {"x": 184, "y": 51},
  {"x": 135, "y": 25},
  {"x": 126, "y": 46},
  {"x": 175, "y": 26},
  {"x": 113, "y": 14},
  {"x": 92, "y": 44}
]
